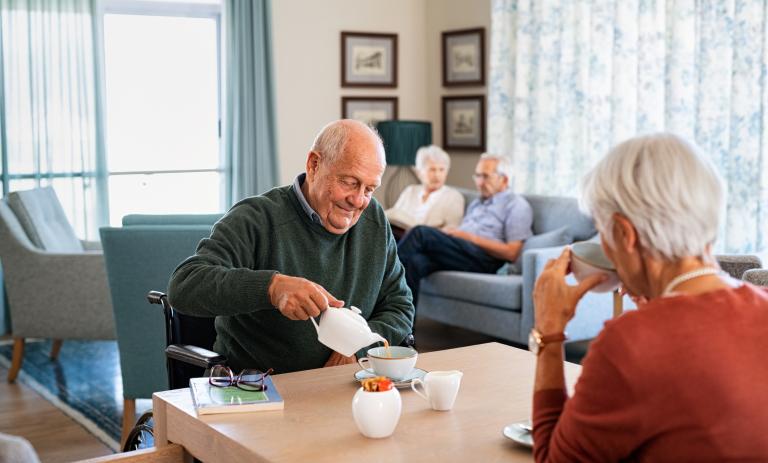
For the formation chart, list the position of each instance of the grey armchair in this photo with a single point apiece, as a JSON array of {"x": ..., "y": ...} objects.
[
  {"x": 757, "y": 277},
  {"x": 56, "y": 284},
  {"x": 744, "y": 267}
]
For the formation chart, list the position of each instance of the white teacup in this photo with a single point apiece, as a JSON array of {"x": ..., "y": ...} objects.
[
  {"x": 440, "y": 388},
  {"x": 396, "y": 364},
  {"x": 588, "y": 258}
]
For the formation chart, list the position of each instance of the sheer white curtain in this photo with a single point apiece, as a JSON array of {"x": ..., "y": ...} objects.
[
  {"x": 571, "y": 78},
  {"x": 50, "y": 103}
]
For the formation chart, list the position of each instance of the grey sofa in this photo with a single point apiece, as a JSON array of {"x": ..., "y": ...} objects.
[{"x": 501, "y": 305}]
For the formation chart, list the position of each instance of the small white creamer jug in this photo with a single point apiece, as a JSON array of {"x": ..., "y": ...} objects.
[{"x": 345, "y": 330}]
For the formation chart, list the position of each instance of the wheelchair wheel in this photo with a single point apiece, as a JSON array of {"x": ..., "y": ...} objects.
[{"x": 142, "y": 435}]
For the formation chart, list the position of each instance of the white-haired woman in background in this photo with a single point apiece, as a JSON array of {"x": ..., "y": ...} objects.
[
  {"x": 684, "y": 377},
  {"x": 430, "y": 203}
]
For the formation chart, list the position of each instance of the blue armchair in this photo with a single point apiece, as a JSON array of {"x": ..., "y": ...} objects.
[{"x": 140, "y": 256}]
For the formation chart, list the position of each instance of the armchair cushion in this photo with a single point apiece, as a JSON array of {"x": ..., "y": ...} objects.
[{"x": 41, "y": 216}]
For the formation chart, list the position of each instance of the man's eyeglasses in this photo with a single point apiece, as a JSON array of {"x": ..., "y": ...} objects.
[
  {"x": 247, "y": 380},
  {"x": 477, "y": 176}
]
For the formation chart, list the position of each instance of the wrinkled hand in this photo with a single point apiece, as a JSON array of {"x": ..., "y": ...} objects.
[
  {"x": 554, "y": 300},
  {"x": 338, "y": 359},
  {"x": 298, "y": 298}
]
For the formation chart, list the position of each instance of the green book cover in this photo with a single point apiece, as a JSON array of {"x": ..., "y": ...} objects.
[{"x": 211, "y": 399}]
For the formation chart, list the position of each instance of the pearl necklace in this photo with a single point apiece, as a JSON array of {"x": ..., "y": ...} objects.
[{"x": 699, "y": 272}]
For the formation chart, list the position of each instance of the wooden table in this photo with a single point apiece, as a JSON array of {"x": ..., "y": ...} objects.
[{"x": 317, "y": 423}]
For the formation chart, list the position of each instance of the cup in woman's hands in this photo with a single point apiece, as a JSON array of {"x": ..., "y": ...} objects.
[{"x": 588, "y": 258}]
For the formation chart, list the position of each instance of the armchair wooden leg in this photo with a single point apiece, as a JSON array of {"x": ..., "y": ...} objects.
[
  {"x": 129, "y": 417},
  {"x": 55, "y": 348},
  {"x": 16, "y": 359}
]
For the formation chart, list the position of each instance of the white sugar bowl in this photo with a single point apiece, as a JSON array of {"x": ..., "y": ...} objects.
[{"x": 376, "y": 413}]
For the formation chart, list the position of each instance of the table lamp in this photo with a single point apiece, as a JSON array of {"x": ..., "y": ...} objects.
[{"x": 401, "y": 141}]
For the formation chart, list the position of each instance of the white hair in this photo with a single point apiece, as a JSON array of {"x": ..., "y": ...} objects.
[
  {"x": 432, "y": 153},
  {"x": 332, "y": 139},
  {"x": 665, "y": 187},
  {"x": 503, "y": 164}
]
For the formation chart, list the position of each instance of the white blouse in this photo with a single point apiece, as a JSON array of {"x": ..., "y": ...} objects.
[{"x": 443, "y": 207}]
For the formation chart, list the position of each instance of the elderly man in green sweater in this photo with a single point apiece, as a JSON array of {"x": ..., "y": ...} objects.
[{"x": 276, "y": 259}]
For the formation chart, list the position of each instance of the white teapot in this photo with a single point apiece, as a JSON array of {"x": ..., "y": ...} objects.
[{"x": 345, "y": 330}]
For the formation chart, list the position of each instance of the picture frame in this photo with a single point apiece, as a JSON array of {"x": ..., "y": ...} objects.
[
  {"x": 368, "y": 59},
  {"x": 464, "y": 122},
  {"x": 463, "y": 53},
  {"x": 369, "y": 109}
]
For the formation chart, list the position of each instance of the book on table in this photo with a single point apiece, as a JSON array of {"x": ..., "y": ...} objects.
[{"x": 231, "y": 399}]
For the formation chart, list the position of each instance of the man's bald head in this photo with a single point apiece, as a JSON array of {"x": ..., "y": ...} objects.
[{"x": 347, "y": 135}]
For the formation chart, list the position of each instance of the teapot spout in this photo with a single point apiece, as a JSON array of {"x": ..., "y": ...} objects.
[{"x": 375, "y": 337}]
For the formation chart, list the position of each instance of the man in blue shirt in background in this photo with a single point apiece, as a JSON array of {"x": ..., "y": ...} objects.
[{"x": 491, "y": 233}]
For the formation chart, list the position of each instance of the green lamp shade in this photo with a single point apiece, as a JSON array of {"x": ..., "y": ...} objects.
[{"x": 403, "y": 138}]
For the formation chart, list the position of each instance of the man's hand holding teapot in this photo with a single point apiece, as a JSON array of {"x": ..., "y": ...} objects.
[{"x": 298, "y": 298}]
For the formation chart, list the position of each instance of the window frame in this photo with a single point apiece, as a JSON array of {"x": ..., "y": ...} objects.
[{"x": 183, "y": 10}]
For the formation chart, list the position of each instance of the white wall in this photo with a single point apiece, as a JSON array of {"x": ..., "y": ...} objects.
[
  {"x": 446, "y": 15},
  {"x": 307, "y": 36}
]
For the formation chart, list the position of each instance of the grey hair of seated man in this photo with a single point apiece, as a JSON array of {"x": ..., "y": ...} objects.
[
  {"x": 332, "y": 138},
  {"x": 432, "y": 153},
  {"x": 503, "y": 164},
  {"x": 667, "y": 189}
]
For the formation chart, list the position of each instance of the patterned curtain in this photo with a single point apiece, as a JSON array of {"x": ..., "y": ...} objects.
[{"x": 569, "y": 79}]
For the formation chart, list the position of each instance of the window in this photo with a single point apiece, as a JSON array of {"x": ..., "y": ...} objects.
[{"x": 162, "y": 84}]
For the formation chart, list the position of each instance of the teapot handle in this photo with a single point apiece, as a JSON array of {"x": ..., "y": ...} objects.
[{"x": 317, "y": 328}]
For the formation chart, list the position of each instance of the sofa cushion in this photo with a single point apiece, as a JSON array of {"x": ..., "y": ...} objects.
[
  {"x": 558, "y": 237},
  {"x": 40, "y": 214},
  {"x": 499, "y": 291},
  {"x": 553, "y": 212}
]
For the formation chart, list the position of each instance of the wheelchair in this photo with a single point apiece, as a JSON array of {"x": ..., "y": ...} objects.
[{"x": 188, "y": 355}]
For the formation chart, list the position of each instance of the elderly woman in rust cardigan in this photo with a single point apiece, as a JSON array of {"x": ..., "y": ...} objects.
[{"x": 684, "y": 377}]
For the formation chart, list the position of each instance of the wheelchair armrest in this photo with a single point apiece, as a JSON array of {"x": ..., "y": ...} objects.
[{"x": 194, "y": 355}]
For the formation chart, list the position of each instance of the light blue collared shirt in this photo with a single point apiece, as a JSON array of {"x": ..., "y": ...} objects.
[
  {"x": 503, "y": 217},
  {"x": 313, "y": 216}
]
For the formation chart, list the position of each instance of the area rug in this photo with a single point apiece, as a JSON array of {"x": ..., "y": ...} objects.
[{"x": 84, "y": 383}]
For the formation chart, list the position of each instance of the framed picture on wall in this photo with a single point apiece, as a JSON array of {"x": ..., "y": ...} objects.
[
  {"x": 464, "y": 122},
  {"x": 368, "y": 59},
  {"x": 464, "y": 57},
  {"x": 369, "y": 109}
]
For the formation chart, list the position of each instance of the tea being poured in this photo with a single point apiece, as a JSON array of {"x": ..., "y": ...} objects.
[{"x": 345, "y": 330}]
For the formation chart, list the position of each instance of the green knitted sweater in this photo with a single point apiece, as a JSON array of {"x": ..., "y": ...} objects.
[{"x": 230, "y": 273}]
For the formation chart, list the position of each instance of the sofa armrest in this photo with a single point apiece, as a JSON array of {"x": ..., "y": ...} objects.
[{"x": 592, "y": 311}]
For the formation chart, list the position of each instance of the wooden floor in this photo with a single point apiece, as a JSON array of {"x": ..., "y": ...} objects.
[
  {"x": 55, "y": 437},
  {"x": 58, "y": 438}
]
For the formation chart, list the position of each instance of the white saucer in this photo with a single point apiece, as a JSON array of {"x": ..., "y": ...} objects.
[
  {"x": 519, "y": 434},
  {"x": 403, "y": 383}
]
